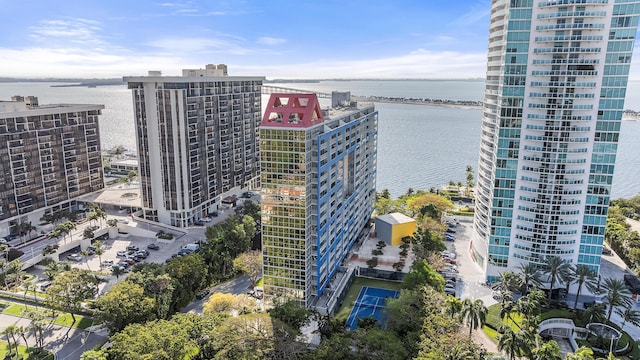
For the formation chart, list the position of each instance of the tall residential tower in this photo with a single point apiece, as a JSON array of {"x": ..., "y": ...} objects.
[
  {"x": 197, "y": 137},
  {"x": 50, "y": 156},
  {"x": 556, "y": 79},
  {"x": 318, "y": 170}
]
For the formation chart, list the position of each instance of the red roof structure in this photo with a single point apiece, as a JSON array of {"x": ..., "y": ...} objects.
[{"x": 292, "y": 110}]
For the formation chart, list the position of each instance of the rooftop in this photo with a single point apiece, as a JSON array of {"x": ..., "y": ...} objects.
[{"x": 395, "y": 218}]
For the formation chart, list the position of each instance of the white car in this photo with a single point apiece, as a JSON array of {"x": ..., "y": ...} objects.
[
  {"x": 74, "y": 257},
  {"x": 122, "y": 253}
]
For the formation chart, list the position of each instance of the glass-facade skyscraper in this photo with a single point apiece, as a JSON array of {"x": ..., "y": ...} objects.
[
  {"x": 318, "y": 177},
  {"x": 557, "y": 72}
]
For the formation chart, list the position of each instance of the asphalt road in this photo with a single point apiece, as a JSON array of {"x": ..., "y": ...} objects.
[{"x": 236, "y": 286}]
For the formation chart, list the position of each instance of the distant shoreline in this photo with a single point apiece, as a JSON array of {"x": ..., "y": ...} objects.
[{"x": 466, "y": 105}]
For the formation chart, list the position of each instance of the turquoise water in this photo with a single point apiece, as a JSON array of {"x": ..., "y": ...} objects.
[{"x": 418, "y": 146}]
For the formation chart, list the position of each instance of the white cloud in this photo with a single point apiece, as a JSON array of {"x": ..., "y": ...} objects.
[
  {"x": 199, "y": 45},
  {"x": 267, "y": 40},
  {"x": 477, "y": 12},
  {"x": 418, "y": 64},
  {"x": 62, "y": 31}
]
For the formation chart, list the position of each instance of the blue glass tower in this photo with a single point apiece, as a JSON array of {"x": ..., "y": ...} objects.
[{"x": 557, "y": 72}]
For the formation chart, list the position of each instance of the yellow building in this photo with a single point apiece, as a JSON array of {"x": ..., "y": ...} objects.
[{"x": 391, "y": 228}]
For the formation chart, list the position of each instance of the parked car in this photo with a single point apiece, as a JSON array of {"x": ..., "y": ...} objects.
[
  {"x": 449, "y": 254},
  {"x": 133, "y": 248},
  {"x": 122, "y": 253},
  {"x": 94, "y": 227},
  {"x": 104, "y": 236},
  {"x": 449, "y": 238},
  {"x": 206, "y": 219},
  {"x": 153, "y": 246},
  {"x": 74, "y": 257},
  {"x": 184, "y": 252},
  {"x": 449, "y": 261},
  {"x": 91, "y": 250},
  {"x": 142, "y": 253},
  {"x": 213, "y": 214},
  {"x": 128, "y": 260},
  {"x": 45, "y": 286},
  {"x": 451, "y": 231},
  {"x": 606, "y": 250},
  {"x": 450, "y": 291},
  {"x": 123, "y": 221},
  {"x": 121, "y": 267},
  {"x": 106, "y": 263},
  {"x": 202, "y": 294},
  {"x": 198, "y": 223}
]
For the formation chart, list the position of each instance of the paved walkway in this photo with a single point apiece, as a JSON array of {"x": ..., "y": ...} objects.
[{"x": 65, "y": 342}]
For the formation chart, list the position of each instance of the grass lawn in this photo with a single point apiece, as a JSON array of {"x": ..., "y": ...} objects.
[
  {"x": 64, "y": 319},
  {"x": 343, "y": 313},
  {"x": 81, "y": 321},
  {"x": 493, "y": 318},
  {"x": 22, "y": 350}
]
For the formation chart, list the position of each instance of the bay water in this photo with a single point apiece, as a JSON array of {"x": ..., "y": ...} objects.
[{"x": 418, "y": 146}]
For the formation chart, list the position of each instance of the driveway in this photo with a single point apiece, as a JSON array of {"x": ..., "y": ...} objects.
[{"x": 469, "y": 273}]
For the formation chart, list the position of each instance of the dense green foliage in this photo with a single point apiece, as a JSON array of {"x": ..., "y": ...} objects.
[{"x": 624, "y": 241}]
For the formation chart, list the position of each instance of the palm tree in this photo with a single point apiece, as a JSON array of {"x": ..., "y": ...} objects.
[
  {"x": 506, "y": 308},
  {"x": 629, "y": 315},
  {"x": 10, "y": 333},
  {"x": 23, "y": 331},
  {"x": 474, "y": 313},
  {"x": 530, "y": 274},
  {"x": 559, "y": 270},
  {"x": 583, "y": 353},
  {"x": 584, "y": 275},
  {"x": 595, "y": 313},
  {"x": 453, "y": 305},
  {"x": 16, "y": 267},
  {"x": 117, "y": 271},
  {"x": 99, "y": 249},
  {"x": 510, "y": 281},
  {"x": 4, "y": 265},
  {"x": 512, "y": 343},
  {"x": 85, "y": 254},
  {"x": 617, "y": 294},
  {"x": 548, "y": 351}
]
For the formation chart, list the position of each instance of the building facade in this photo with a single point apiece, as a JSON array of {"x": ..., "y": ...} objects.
[
  {"x": 50, "y": 156},
  {"x": 318, "y": 177},
  {"x": 197, "y": 137},
  {"x": 556, "y": 79}
]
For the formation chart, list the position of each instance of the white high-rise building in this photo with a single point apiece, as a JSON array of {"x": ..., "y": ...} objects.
[
  {"x": 198, "y": 140},
  {"x": 556, "y": 79}
]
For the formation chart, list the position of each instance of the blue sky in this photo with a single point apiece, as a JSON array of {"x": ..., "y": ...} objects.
[{"x": 272, "y": 38}]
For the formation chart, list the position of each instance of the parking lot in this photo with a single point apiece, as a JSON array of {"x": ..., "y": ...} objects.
[{"x": 470, "y": 279}]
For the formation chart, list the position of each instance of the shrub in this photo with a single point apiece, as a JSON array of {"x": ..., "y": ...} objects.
[
  {"x": 14, "y": 254},
  {"x": 398, "y": 266},
  {"x": 376, "y": 252},
  {"x": 373, "y": 262}
]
